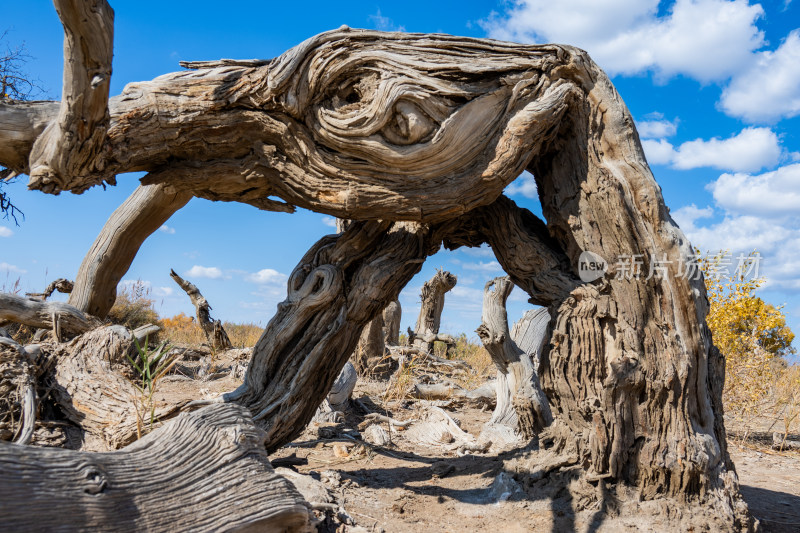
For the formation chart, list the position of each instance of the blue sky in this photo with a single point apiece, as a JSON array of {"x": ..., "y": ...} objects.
[{"x": 714, "y": 86}]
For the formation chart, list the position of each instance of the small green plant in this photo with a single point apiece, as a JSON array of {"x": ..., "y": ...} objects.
[{"x": 151, "y": 366}]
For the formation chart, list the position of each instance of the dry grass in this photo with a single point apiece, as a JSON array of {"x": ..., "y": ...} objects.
[{"x": 182, "y": 329}]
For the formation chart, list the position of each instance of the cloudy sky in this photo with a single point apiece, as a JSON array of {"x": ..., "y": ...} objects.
[{"x": 714, "y": 86}]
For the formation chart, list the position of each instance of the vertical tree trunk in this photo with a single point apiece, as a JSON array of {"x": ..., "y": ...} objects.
[
  {"x": 370, "y": 350},
  {"x": 522, "y": 409},
  {"x": 215, "y": 334},
  {"x": 391, "y": 323},
  {"x": 531, "y": 333},
  {"x": 116, "y": 246},
  {"x": 430, "y": 311}
]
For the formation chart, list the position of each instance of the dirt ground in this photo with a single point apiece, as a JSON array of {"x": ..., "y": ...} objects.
[{"x": 405, "y": 487}]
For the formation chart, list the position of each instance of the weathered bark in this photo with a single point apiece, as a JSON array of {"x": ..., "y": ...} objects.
[
  {"x": 114, "y": 249},
  {"x": 60, "y": 318},
  {"x": 365, "y": 125},
  {"x": 215, "y": 334},
  {"x": 430, "y": 311},
  {"x": 531, "y": 333},
  {"x": 204, "y": 471},
  {"x": 522, "y": 410},
  {"x": 342, "y": 283},
  {"x": 391, "y": 323},
  {"x": 88, "y": 385},
  {"x": 17, "y": 393},
  {"x": 70, "y": 146},
  {"x": 61, "y": 285}
]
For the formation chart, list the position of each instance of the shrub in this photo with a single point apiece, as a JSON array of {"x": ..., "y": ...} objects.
[{"x": 133, "y": 307}]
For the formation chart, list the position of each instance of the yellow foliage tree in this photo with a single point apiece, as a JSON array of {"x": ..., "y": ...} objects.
[{"x": 750, "y": 333}]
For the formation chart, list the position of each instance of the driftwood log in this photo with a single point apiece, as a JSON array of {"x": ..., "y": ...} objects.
[
  {"x": 386, "y": 127},
  {"x": 430, "y": 311},
  {"x": 204, "y": 471},
  {"x": 61, "y": 318},
  {"x": 522, "y": 410},
  {"x": 215, "y": 334}
]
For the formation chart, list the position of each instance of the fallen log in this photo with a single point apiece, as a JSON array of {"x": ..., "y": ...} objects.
[
  {"x": 61, "y": 318},
  {"x": 204, "y": 471}
]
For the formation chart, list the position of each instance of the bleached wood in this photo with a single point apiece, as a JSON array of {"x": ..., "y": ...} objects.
[
  {"x": 61, "y": 285},
  {"x": 430, "y": 311},
  {"x": 57, "y": 316},
  {"x": 204, "y": 471},
  {"x": 391, "y": 323}
]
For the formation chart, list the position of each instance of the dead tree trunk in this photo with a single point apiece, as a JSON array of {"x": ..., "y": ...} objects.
[
  {"x": 215, "y": 334},
  {"x": 531, "y": 333},
  {"x": 204, "y": 471},
  {"x": 386, "y": 127},
  {"x": 368, "y": 357},
  {"x": 60, "y": 318},
  {"x": 114, "y": 249},
  {"x": 391, "y": 323},
  {"x": 430, "y": 311},
  {"x": 522, "y": 410}
]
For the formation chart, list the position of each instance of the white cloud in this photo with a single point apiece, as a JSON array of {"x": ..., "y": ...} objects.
[
  {"x": 167, "y": 229},
  {"x": 267, "y": 276},
  {"x": 484, "y": 250},
  {"x": 749, "y": 150},
  {"x": 5, "y": 232},
  {"x": 198, "y": 271},
  {"x": 163, "y": 291},
  {"x": 770, "y": 88},
  {"x": 654, "y": 129},
  {"x": 660, "y": 152},
  {"x": 384, "y": 23},
  {"x": 705, "y": 39},
  {"x": 490, "y": 266},
  {"x": 329, "y": 221},
  {"x": 770, "y": 195},
  {"x": 525, "y": 185},
  {"x": 12, "y": 268},
  {"x": 688, "y": 215}
]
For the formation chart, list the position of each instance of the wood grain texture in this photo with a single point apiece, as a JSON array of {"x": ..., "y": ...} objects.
[
  {"x": 204, "y": 471},
  {"x": 430, "y": 311},
  {"x": 61, "y": 318}
]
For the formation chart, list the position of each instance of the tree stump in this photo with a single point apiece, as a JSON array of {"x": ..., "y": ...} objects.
[{"x": 430, "y": 311}]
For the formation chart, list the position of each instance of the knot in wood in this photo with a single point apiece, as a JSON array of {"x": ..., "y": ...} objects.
[
  {"x": 94, "y": 479},
  {"x": 313, "y": 287}
]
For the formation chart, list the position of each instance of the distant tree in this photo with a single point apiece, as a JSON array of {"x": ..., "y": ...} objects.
[
  {"x": 751, "y": 333},
  {"x": 15, "y": 84}
]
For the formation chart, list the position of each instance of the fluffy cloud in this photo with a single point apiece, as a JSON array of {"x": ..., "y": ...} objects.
[
  {"x": 198, "y": 271},
  {"x": 688, "y": 215},
  {"x": 525, "y": 185},
  {"x": 384, "y": 23},
  {"x": 329, "y": 221},
  {"x": 770, "y": 88},
  {"x": 167, "y": 229},
  {"x": 705, "y": 39},
  {"x": 750, "y": 150},
  {"x": 769, "y": 195},
  {"x": 267, "y": 276},
  {"x": 490, "y": 266},
  {"x": 11, "y": 268},
  {"x": 654, "y": 129},
  {"x": 5, "y": 232}
]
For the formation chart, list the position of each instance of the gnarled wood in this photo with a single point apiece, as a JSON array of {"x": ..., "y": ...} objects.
[
  {"x": 204, "y": 471},
  {"x": 369, "y": 353},
  {"x": 61, "y": 285},
  {"x": 522, "y": 409},
  {"x": 70, "y": 146},
  {"x": 215, "y": 334},
  {"x": 430, "y": 311}
]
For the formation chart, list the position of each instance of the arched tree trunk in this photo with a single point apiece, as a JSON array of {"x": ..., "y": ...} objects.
[
  {"x": 430, "y": 311},
  {"x": 114, "y": 249},
  {"x": 215, "y": 334},
  {"x": 391, "y": 323},
  {"x": 522, "y": 410},
  {"x": 386, "y": 127}
]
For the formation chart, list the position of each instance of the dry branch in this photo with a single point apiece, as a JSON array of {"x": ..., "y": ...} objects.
[
  {"x": 61, "y": 285},
  {"x": 215, "y": 334},
  {"x": 61, "y": 318}
]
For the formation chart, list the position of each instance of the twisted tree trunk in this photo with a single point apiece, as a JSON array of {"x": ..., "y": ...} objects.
[
  {"x": 430, "y": 311},
  {"x": 522, "y": 410}
]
